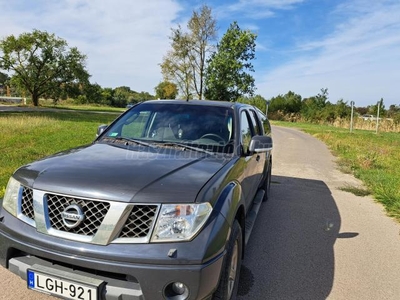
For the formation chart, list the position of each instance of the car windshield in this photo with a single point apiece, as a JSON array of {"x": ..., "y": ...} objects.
[{"x": 168, "y": 124}]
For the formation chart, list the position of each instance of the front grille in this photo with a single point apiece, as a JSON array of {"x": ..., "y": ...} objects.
[
  {"x": 94, "y": 212},
  {"x": 139, "y": 222},
  {"x": 27, "y": 203}
]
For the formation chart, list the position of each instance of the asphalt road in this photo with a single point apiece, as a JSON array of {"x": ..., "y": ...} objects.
[{"x": 311, "y": 240}]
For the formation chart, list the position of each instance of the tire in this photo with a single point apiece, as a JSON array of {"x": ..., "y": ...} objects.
[
  {"x": 267, "y": 183},
  {"x": 229, "y": 280}
]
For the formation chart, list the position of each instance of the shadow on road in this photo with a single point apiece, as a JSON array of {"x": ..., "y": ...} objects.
[{"x": 290, "y": 253}]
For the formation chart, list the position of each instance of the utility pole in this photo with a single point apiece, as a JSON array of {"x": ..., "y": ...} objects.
[
  {"x": 267, "y": 102},
  {"x": 377, "y": 116},
  {"x": 351, "y": 119}
]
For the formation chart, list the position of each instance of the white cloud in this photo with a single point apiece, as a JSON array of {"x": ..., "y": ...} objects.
[
  {"x": 255, "y": 9},
  {"x": 124, "y": 40},
  {"x": 359, "y": 61}
]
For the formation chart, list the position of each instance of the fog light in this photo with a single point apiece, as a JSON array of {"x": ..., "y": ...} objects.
[
  {"x": 176, "y": 291},
  {"x": 179, "y": 288}
]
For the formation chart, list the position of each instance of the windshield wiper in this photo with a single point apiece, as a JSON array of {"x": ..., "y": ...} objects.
[
  {"x": 128, "y": 140},
  {"x": 185, "y": 147}
]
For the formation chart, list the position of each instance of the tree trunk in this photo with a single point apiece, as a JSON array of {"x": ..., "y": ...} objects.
[{"x": 35, "y": 99}]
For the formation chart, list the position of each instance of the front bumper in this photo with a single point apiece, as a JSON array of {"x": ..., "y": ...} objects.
[{"x": 138, "y": 272}]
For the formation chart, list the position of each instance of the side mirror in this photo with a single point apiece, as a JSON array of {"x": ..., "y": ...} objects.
[
  {"x": 101, "y": 129},
  {"x": 260, "y": 144}
]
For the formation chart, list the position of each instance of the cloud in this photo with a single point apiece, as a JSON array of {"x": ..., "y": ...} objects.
[
  {"x": 358, "y": 61},
  {"x": 124, "y": 40},
  {"x": 255, "y": 9}
]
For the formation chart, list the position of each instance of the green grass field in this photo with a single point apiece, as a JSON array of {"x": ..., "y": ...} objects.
[
  {"x": 28, "y": 136},
  {"x": 373, "y": 158}
]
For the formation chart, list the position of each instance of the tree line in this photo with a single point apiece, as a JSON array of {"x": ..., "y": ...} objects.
[{"x": 317, "y": 109}]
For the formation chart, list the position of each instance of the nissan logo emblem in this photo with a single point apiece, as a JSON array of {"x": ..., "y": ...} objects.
[{"x": 72, "y": 216}]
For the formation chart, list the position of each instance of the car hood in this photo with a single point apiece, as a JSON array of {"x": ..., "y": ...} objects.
[{"x": 115, "y": 173}]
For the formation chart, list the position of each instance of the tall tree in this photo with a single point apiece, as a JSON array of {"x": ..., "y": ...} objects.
[
  {"x": 203, "y": 30},
  {"x": 42, "y": 63},
  {"x": 176, "y": 66},
  {"x": 185, "y": 63},
  {"x": 226, "y": 75}
]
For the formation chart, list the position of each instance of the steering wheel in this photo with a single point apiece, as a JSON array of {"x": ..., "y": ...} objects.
[{"x": 214, "y": 137}]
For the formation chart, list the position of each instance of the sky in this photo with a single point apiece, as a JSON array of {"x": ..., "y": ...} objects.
[{"x": 350, "y": 47}]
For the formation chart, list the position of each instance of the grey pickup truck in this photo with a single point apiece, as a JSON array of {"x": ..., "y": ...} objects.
[{"x": 159, "y": 206}]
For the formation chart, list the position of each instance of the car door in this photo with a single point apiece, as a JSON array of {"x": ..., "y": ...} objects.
[
  {"x": 249, "y": 162},
  {"x": 261, "y": 157}
]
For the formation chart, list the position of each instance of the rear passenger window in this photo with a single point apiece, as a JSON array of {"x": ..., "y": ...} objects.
[
  {"x": 256, "y": 123},
  {"x": 265, "y": 123}
]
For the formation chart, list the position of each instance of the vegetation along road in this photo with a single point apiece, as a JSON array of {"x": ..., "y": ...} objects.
[{"x": 312, "y": 239}]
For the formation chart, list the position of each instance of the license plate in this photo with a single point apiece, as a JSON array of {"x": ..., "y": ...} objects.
[{"x": 54, "y": 285}]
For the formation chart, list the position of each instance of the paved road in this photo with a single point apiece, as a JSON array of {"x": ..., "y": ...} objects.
[{"x": 311, "y": 241}]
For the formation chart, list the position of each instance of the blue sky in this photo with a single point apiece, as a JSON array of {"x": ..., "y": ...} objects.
[{"x": 350, "y": 47}]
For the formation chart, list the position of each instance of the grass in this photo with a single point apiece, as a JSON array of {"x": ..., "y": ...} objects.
[
  {"x": 86, "y": 108},
  {"x": 373, "y": 158},
  {"x": 355, "y": 190},
  {"x": 28, "y": 136}
]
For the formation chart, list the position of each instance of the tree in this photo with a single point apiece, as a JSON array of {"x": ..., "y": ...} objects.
[
  {"x": 226, "y": 75},
  {"x": 288, "y": 103},
  {"x": 176, "y": 66},
  {"x": 393, "y": 110},
  {"x": 185, "y": 63},
  {"x": 203, "y": 30},
  {"x": 107, "y": 96},
  {"x": 42, "y": 63},
  {"x": 3, "y": 78},
  {"x": 312, "y": 107},
  {"x": 258, "y": 101},
  {"x": 122, "y": 96},
  {"x": 373, "y": 109},
  {"x": 94, "y": 94},
  {"x": 3, "y": 82},
  {"x": 166, "y": 90}
]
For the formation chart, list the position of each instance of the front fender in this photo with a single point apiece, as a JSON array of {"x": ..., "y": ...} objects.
[{"x": 229, "y": 202}]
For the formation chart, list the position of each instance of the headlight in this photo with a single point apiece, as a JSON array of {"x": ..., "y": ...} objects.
[
  {"x": 10, "y": 201},
  {"x": 180, "y": 222}
]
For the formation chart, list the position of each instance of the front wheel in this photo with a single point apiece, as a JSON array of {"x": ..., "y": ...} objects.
[{"x": 229, "y": 280}]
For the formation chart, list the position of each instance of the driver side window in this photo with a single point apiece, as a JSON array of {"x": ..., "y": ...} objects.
[{"x": 245, "y": 132}]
